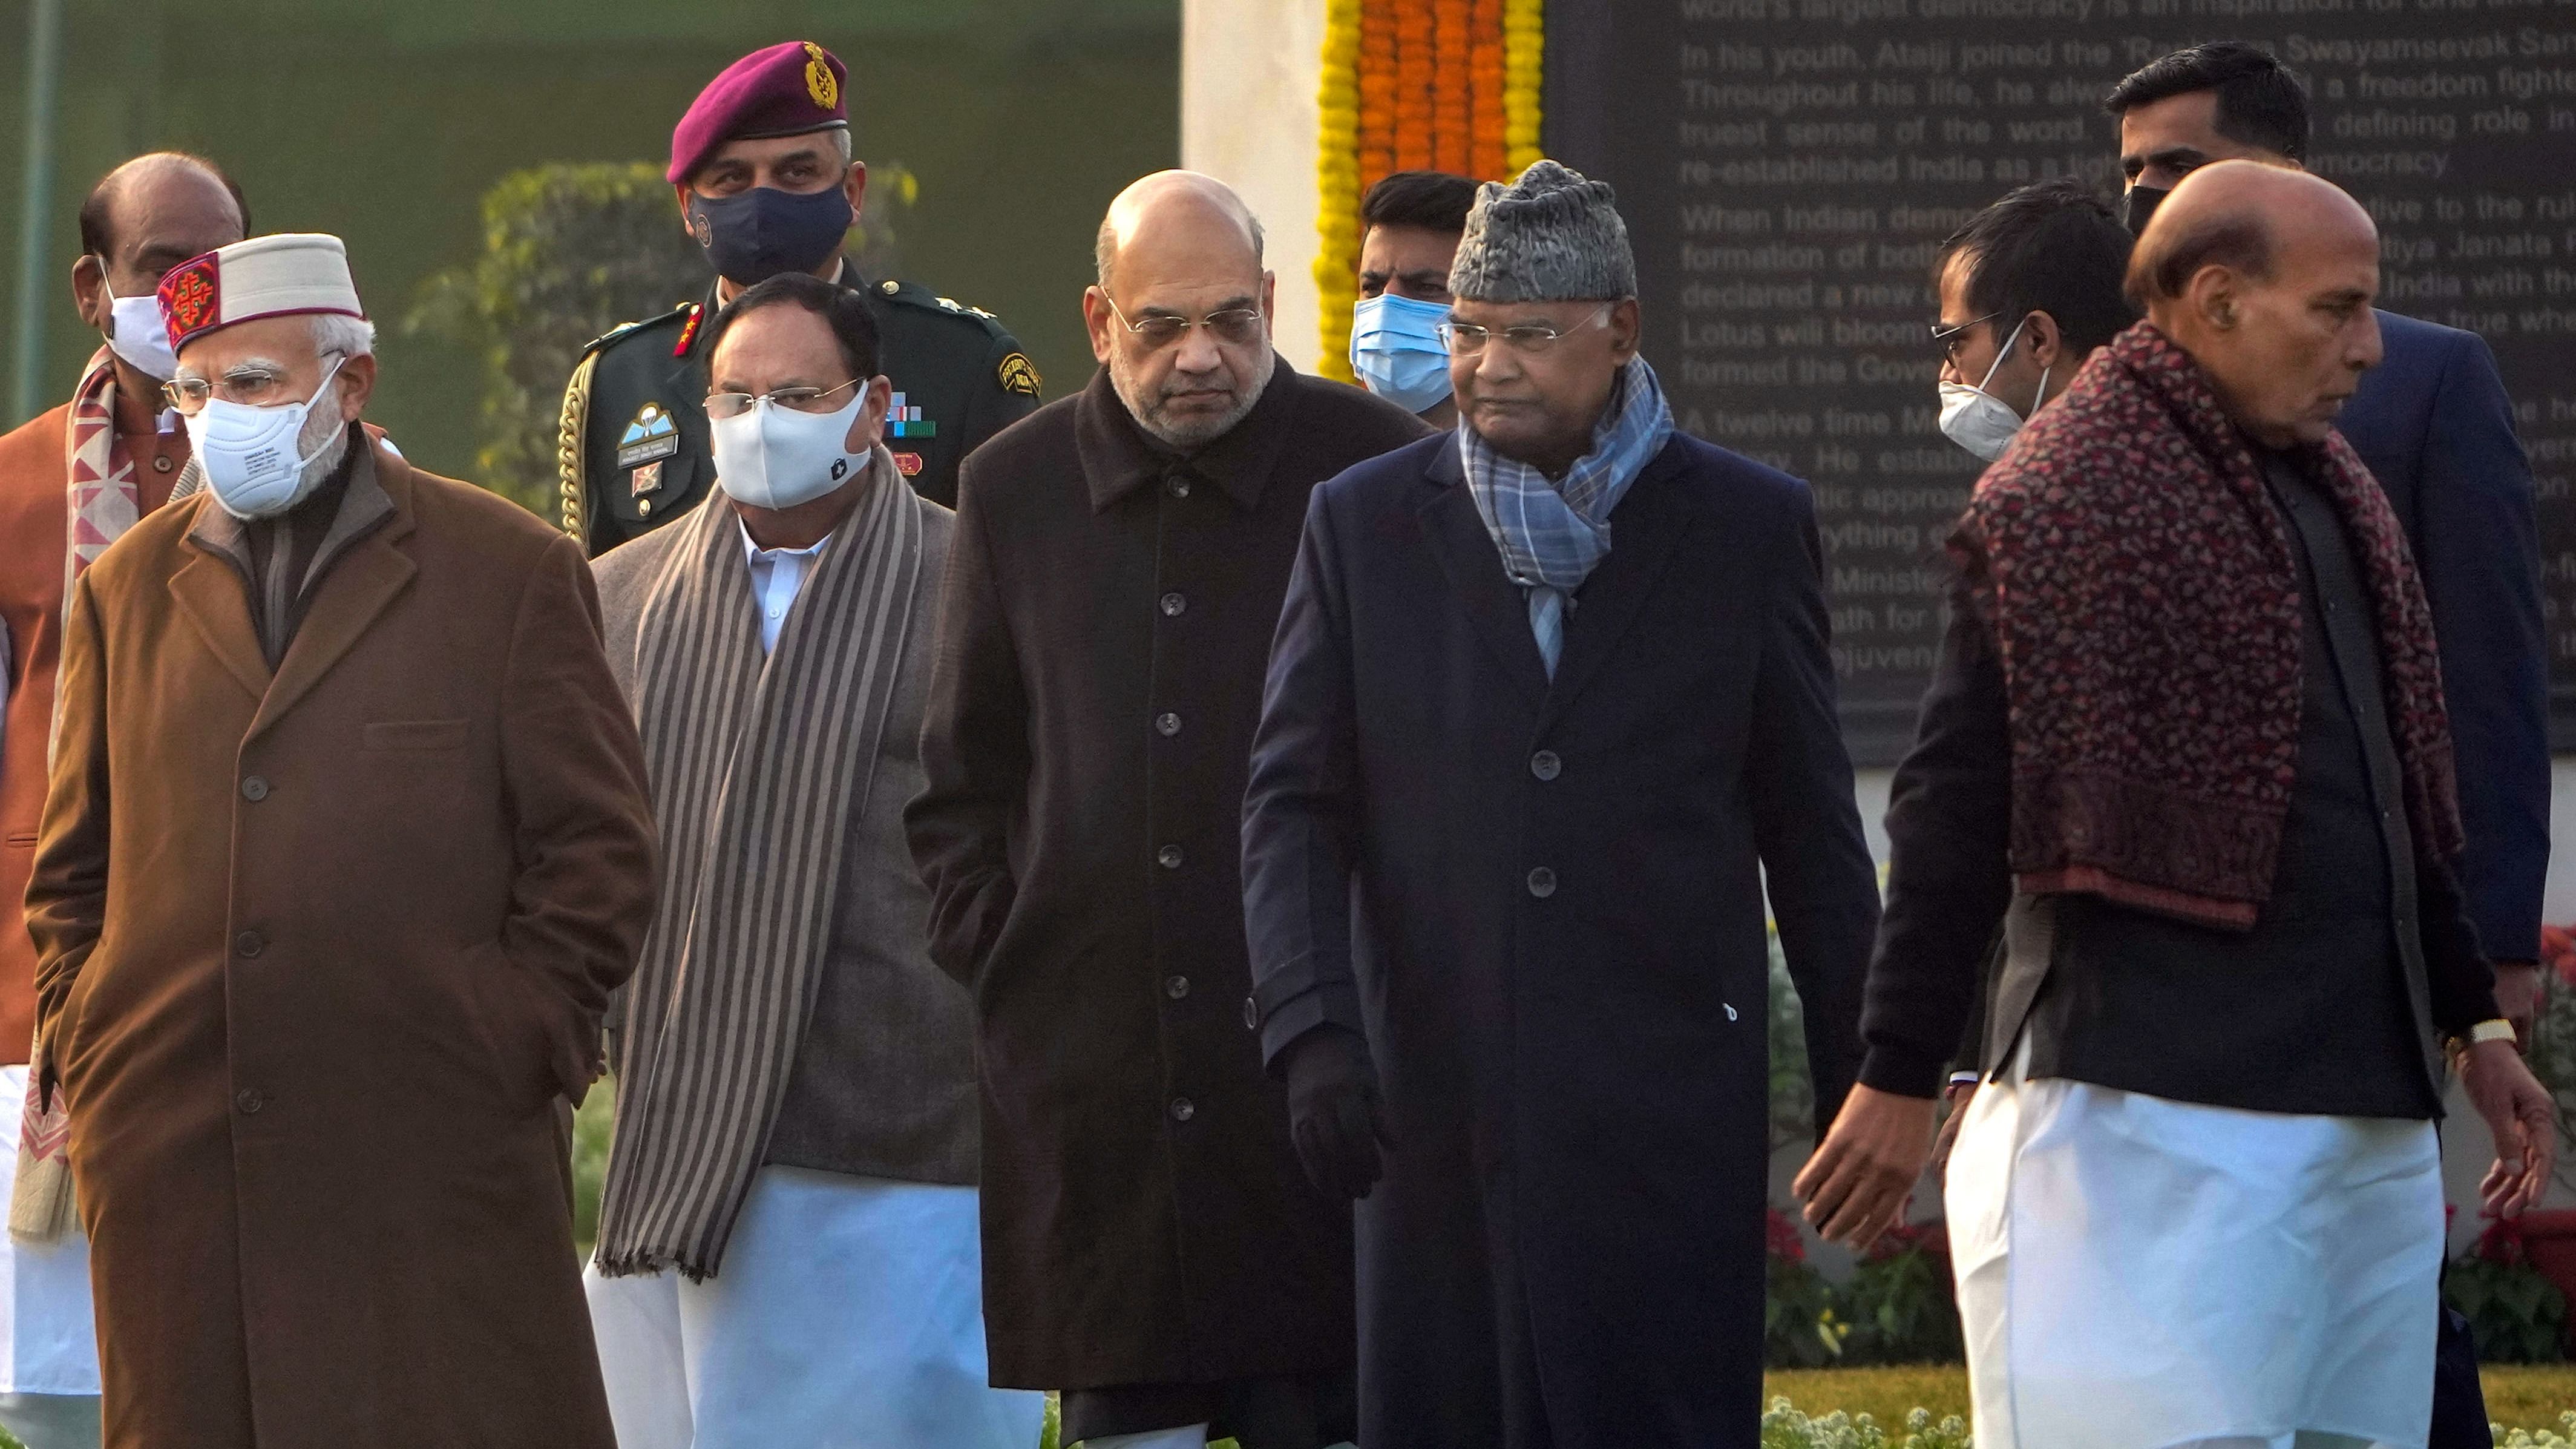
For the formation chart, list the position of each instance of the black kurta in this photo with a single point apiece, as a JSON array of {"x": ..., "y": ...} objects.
[
  {"x": 1107, "y": 613},
  {"x": 2330, "y": 1005}
]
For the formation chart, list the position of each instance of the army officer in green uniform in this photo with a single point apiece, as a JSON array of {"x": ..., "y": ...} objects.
[{"x": 767, "y": 185}]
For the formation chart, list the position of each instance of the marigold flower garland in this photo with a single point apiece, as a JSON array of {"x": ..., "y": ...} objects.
[
  {"x": 1337, "y": 170},
  {"x": 1449, "y": 85}
]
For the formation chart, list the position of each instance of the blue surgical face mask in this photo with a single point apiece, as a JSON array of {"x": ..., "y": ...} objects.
[
  {"x": 754, "y": 235},
  {"x": 1396, "y": 351}
]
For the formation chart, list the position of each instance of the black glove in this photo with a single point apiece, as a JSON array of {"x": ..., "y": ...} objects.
[{"x": 1334, "y": 1115}]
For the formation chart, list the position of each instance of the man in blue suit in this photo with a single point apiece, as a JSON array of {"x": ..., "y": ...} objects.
[
  {"x": 2434, "y": 425},
  {"x": 1549, "y": 707}
]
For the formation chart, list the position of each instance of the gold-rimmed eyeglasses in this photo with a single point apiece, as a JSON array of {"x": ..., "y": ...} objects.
[
  {"x": 795, "y": 399},
  {"x": 1466, "y": 339},
  {"x": 1237, "y": 326}
]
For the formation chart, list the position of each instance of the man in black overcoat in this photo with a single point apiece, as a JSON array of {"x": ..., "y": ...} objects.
[
  {"x": 1150, "y": 1244},
  {"x": 1551, "y": 697}
]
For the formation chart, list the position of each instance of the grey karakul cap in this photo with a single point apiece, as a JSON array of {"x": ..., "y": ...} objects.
[{"x": 1552, "y": 236}]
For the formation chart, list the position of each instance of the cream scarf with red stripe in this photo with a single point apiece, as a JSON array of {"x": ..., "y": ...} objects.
[{"x": 105, "y": 500}]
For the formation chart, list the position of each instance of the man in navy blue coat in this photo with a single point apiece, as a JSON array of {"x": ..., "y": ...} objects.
[
  {"x": 1550, "y": 699},
  {"x": 2433, "y": 423}
]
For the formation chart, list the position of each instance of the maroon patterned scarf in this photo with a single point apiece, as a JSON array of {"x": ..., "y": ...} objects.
[{"x": 2146, "y": 606}]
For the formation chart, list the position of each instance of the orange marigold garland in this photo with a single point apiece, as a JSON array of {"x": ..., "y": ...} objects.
[
  {"x": 1410, "y": 85},
  {"x": 1450, "y": 81},
  {"x": 1415, "y": 52},
  {"x": 1377, "y": 92}
]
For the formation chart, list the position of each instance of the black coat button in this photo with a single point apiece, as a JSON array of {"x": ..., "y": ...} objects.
[
  {"x": 1168, "y": 722},
  {"x": 249, "y": 1100},
  {"x": 1177, "y": 486},
  {"x": 1173, "y": 604},
  {"x": 1176, "y": 987},
  {"x": 250, "y": 943},
  {"x": 1251, "y": 1014},
  {"x": 1546, "y": 765},
  {"x": 1542, "y": 882},
  {"x": 1169, "y": 857},
  {"x": 1182, "y": 1111},
  {"x": 254, "y": 789}
]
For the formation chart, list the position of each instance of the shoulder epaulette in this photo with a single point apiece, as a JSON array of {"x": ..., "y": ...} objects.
[
  {"x": 923, "y": 299},
  {"x": 619, "y": 333}
]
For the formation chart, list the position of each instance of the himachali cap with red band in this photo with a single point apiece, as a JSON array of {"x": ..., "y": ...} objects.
[
  {"x": 265, "y": 276},
  {"x": 785, "y": 90}
]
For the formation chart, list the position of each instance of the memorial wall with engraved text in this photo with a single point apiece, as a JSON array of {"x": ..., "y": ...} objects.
[{"x": 1788, "y": 168}]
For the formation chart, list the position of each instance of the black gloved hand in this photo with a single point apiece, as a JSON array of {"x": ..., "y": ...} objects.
[{"x": 1334, "y": 1115}]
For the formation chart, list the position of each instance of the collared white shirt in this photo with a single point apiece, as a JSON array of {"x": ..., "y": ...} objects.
[{"x": 776, "y": 575}]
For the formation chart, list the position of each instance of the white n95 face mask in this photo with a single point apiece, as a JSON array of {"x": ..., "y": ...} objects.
[
  {"x": 1976, "y": 419},
  {"x": 139, "y": 332},
  {"x": 775, "y": 457},
  {"x": 251, "y": 456}
]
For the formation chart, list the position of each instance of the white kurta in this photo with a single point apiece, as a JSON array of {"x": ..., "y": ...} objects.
[
  {"x": 48, "y": 1335},
  {"x": 2137, "y": 1273},
  {"x": 849, "y": 1314}
]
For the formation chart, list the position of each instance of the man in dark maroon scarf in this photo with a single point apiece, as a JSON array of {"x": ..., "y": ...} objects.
[{"x": 2187, "y": 747}]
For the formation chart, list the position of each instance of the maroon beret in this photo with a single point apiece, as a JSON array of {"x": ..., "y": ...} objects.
[{"x": 785, "y": 90}]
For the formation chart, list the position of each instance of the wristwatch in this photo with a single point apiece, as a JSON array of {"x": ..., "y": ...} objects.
[{"x": 2493, "y": 1029}]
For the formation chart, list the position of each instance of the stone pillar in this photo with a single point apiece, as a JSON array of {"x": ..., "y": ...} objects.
[{"x": 1249, "y": 70}]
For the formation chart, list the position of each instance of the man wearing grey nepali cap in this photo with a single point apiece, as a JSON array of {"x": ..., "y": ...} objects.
[{"x": 1551, "y": 701}]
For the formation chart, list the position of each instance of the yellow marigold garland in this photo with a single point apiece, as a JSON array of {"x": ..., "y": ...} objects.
[
  {"x": 1524, "y": 37},
  {"x": 1453, "y": 84},
  {"x": 1337, "y": 180}
]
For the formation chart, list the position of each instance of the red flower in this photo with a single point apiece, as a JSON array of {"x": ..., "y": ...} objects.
[
  {"x": 2558, "y": 951},
  {"x": 2502, "y": 1241},
  {"x": 1780, "y": 1236}
]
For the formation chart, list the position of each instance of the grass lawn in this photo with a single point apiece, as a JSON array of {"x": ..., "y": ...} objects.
[{"x": 2521, "y": 1397}]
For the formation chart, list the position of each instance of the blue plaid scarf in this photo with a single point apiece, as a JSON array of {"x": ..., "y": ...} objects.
[{"x": 1553, "y": 534}]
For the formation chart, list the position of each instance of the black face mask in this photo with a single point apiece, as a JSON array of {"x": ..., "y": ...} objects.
[
  {"x": 764, "y": 232},
  {"x": 2139, "y": 204}
]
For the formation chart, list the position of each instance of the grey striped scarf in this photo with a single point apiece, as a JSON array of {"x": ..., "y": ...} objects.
[{"x": 760, "y": 767}]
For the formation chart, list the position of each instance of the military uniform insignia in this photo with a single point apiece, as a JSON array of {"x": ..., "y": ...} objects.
[
  {"x": 644, "y": 480},
  {"x": 908, "y": 464},
  {"x": 651, "y": 437},
  {"x": 1019, "y": 374},
  {"x": 907, "y": 422},
  {"x": 819, "y": 82},
  {"x": 689, "y": 329}
]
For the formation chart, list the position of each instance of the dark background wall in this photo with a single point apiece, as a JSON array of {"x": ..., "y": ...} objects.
[
  {"x": 1788, "y": 166},
  {"x": 386, "y": 120}
]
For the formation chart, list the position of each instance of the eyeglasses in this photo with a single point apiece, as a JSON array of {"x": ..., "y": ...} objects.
[
  {"x": 256, "y": 385},
  {"x": 1951, "y": 339},
  {"x": 1466, "y": 339},
  {"x": 1238, "y": 326},
  {"x": 796, "y": 399}
]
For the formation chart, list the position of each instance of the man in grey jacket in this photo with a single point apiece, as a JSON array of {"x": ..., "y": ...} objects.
[{"x": 788, "y": 1248}]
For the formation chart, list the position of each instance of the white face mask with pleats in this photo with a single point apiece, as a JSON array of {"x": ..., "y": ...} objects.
[
  {"x": 1976, "y": 419},
  {"x": 776, "y": 457},
  {"x": 139, "y": 332}
]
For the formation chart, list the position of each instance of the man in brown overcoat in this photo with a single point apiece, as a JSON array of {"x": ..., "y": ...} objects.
[
  {"x": 346, "y": 845},
  {"x": 1151, "y": 1245}
]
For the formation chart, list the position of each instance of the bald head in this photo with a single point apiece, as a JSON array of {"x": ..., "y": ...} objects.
[
  {"x": 1179, "y": 210},
  {"x": 2265, "y": 275},
  {"x": 161, "y": 184},
  {"x": 2234, "y": 213}
]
